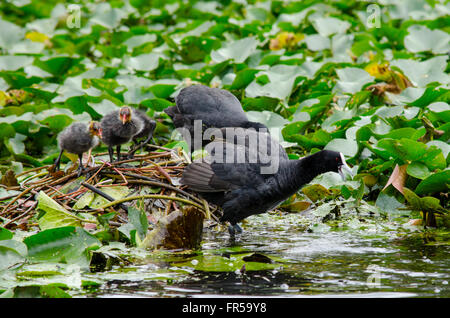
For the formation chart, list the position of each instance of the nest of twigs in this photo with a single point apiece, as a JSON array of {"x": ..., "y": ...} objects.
[{"x": 158, "y": 172}]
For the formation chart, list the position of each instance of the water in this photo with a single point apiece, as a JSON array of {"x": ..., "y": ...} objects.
[{"x": 367, "y": 261}]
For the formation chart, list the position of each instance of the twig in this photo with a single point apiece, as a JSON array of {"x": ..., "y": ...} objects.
[
  {"x": 103, "y": 194},
  {"x": 21, "y": 216},
  {"x": 151, "y": 196},
  {"x": 150, "y": 181}
]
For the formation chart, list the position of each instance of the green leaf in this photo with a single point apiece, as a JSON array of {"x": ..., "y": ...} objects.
[
  {"x": 55, "y": 215},
  {"x": 13, "y": 62},
  {"x": 139, "y": 220},
  {"x": 143, "y": 62},
  {"x": 218, "y": 263},
  {"x": 238, "y": 50},
  {"x": 328, "y": 25},
  {"x": 5, "y": 234},
  {"x": 348, "y": 147},
  {"x": 352, "y": 79},
  {"x": 421, "y": 39},
  {"x": 11, "y": 252},
  {"x": 282, "y": 78},
  {"x": 404, "y": 149},
  {"x": 437, "y": 182},
  {"x": 423, "y": 73},
  {"x": 418, "y": 170},
  {"x": 116, "y": 192},
  {"x": 67, "y": 244}
]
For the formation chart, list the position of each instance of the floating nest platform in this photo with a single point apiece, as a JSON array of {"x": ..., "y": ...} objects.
[{"x": 148, "y": 182}]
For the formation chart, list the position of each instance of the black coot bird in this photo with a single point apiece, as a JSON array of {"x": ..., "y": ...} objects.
[
  {"x": 244, "y": 189},
  {"x": 77, "y": 139},
  {"x": 119, "y": 127},
  {"x": 146, "y": 131},
  {"x": 215, "y": 107}
]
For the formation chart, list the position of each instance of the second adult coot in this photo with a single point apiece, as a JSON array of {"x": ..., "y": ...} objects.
[
  {"x": 214, "y": 107},
  {"x": 243, "y": 189}
]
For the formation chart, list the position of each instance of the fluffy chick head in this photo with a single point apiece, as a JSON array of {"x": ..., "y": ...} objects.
[
  {"x": 95, "y": 129},
  {"x": 125, "y": 114}
]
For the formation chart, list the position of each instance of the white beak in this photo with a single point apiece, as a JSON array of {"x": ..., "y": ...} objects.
[{"x": 344, "y": 167}]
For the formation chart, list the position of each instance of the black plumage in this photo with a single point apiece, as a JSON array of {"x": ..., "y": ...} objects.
[
  {"x": 77, "y": 139},
  {"x": 146, "y": 131},
  {"x": 215, "y": 107},
  {"x": 119, "y": 127},
  {"x": 243, "y": 189}
]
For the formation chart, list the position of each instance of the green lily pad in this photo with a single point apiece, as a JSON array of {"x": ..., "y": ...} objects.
[
  {"x": 55, "y": 215},
  {"x": 421, "y": 39},
  {"x": 437, "y": 182},
  {"x": 67, "y": 244}
]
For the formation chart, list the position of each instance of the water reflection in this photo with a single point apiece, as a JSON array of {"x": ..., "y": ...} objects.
[{"x": 333, "y": 263}]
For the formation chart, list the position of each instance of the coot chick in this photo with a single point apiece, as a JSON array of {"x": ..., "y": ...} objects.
[
  {"x": 146, "y": 132},
  {"x": 242, "y": 189},
  {"x": 215, "y": 107},
  {"x": 77, "y": 139},
  {"x": 119, "y": 127}
]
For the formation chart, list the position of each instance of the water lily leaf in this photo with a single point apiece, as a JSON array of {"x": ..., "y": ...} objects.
[
  {"x": 143, "y": 62},
  {"x": 423, "y": 73},
  {"x": 243, "y": 78},
  {"x": 11, "y": 253},
  {"x": 352, "y": 79},
  {"x": 220, "y": 263},
  {"x": 297, "y": 206},
  {"x": 116, "y": 192},
  {"x": 85, "y": 200},
  {"x": 317, "y": 42},
  {"x": 5, "y": 234},
  {"x": 139, "y": 220},
  {"x": 14, "y": 35},
  {"x": 238, "y": 50},
  {"x": 106, "y": 16},
  {"x": 57, "y": 66},
  {"x": 67, "y": 244},
  {"x": 397, "y": 178},
  {"x": 418, "y": 170},
  {"x": 316, "y": 192},
  {"x": 139, "y": 40},
  {"x": 317, "y": 139},
  {"x": 281, "y": 81},
  {"x": 421, "y": 39},
  {"x": 437, "y": 182},
  {"x": 16, "y": 145},
  {"x": 14, "y": 62},
  {"x": 324, "y": 209},
  {"x": 329, "y": 25},
  {"x": 404, "y": 149},
  {"x": 390, "y": 204},
  {"x": 347, "y": 146},
  {"x": 55, "y": 215},
  {"x": 425, "y": 204},
  {"x": 273, "y": 121}
]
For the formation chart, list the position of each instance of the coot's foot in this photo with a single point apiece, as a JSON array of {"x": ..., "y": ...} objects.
[
  {"x": 234, "y": 229},
  {"x": 80, "y": 171}
]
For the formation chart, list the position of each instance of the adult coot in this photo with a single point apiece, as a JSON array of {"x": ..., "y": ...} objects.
[
  {"x": 77, "y": 139},
  {"x": 119, "y": 127},
  {"x": 214, "y": 107},
  {"x": 246, "y": 188},
  {"x": 146, "y": 131}
]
